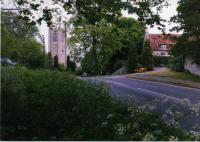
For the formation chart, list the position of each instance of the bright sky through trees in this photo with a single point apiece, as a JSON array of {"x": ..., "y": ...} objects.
[{"x": 166, "y": 14}]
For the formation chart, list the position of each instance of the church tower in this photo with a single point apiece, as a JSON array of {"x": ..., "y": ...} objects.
[{"x": 57, "y": 44}]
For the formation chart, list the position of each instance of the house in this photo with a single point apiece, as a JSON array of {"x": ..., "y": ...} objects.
[{"x": 161, "y": 45}]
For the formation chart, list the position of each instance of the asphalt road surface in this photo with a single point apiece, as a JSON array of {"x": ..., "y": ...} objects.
[{"x": 176, "y": 105}]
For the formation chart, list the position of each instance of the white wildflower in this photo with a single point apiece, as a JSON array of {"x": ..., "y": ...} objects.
[
  {"x": 173, "y": 138},
  {"x": 103, "y": 124},
  {"x": 120, "y": 129},
  {"x": 149, "y": 137}
]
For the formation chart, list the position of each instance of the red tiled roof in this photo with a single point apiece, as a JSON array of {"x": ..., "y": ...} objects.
[{"x": 158, "y": 39}]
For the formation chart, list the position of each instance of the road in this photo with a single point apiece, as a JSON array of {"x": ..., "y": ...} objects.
[{"x": 176, "y": 105}]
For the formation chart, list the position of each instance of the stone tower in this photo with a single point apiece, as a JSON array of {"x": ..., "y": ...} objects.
[{"x": 57, "y": 45}]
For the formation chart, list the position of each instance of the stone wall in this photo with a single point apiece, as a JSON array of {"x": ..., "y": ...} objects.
[
  {"x": 192, "y": 67},
  {"x": 57, "y": 44}
]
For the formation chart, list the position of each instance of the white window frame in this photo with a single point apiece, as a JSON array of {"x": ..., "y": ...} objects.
[{"x": 163, "y": 47}]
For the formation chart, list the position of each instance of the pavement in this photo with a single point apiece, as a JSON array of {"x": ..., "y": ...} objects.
[{"x": 176, "y": 105}]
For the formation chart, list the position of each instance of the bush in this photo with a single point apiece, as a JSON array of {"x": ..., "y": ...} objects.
[
  {"x": 132, "y": 60},
  {"x": 161, "y": 61},
  {"x": 147, "y": 57},
  {"x": 26, "y": 52},
  {"x": 79, "y": 71},
  {"x": 176, "y": 64},
  {"x": 52, "y": 105},
  {"x": 71, "y": 66}
]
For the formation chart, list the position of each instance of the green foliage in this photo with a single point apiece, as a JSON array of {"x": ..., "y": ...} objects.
[
  {"x": 92, "y": 11},
  {"x": 147, "y": 57},
  {"x": 132, "y": 61},
  {"x": 188, "y": 44},
  {"x": 51, "y": 105},
  {"x": 79, "y": 71},
  {"x": 176, "y": 64},
  {"x": 49, "y": 61},
  {"x": 16, "y": 26},
  {"x": 71, "y": 66},
  {"x": 19, "y": 43},
  {"x": 86, "y": 64},
  {"x": 131, "y": 36},
  {"x": 189, "y": 24},
  {"x": 56, "y": 65},
  {"x": 112, "y": 46},
  {"x": 27, "y": 52},
  {"x": 161, "y": 61},
  {"x": 106, "y": 43}
]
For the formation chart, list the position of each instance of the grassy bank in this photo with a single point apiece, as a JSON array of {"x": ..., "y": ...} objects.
[
  {"x": 177, "y": 75},
  {"x": 52, "y": 105}
]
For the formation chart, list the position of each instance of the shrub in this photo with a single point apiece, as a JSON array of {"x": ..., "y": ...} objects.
[
  {"x": 26, "y": 52},
  {"x": 79, "y": 71},
  {"x": 132, "y": 60},
  {"x": 71, "y": 66},
  {"x": 52, "y": 105},
  {"x": 56, "y": 65},
  {"x": 176, "y": 64},
  {"x": 147, "y": 57},
  {"x": 161, "y": 61}
]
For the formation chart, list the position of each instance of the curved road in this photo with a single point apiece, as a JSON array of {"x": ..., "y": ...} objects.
[{"x": 175, "y": 104}]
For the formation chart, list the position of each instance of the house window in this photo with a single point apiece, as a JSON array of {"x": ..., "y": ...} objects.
[
  {"x": 55, "y": 36},
  {"x": 163, "y": 47}
]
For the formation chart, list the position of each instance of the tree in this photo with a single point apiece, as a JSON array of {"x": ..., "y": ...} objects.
[
  {"x": 56, "y": 65},
  {"x": 130, "y": 33},
  {"x": 93, "y": 9},
  {"x": 132, "y": 61},
  {"x": 27, "y": 52},
  {"x": 49, "y": 61},
  {"x": 106, "y": 45},
  {"x": 71, "y": 66},
  {"x": 18, "y": 41},
  {"x": 17, "y": 26},
  {"x": 188, "y": 44},
  {"x": 147, "y": 57},
  {"x": 113, "y": 45},
  {"x": 189, "y": 24},
  {"x": 92, "y": 14}
]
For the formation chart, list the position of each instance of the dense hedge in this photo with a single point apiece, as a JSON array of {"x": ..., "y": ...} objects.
[
  {"x": 161, "y": 61},
  {"x": 51, "y": 105}
]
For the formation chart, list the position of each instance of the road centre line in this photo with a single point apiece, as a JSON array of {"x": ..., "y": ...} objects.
[
  {"x": 156, "y": 94},
  {"x": 160, "y": 94}
]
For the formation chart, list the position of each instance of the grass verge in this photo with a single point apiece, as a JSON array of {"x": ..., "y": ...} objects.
[{"x": 176, "y": 75}]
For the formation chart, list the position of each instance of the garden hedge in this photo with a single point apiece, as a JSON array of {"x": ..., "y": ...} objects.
[{"x": 53, "y": 105}]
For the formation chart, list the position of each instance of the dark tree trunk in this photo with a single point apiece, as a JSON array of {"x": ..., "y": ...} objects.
[{"x": 94, "y": 54}]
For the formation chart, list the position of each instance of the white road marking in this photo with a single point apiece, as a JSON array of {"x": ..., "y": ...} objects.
[
  {"x": 152, "y": 93},
  {"x": 162, "y": 83},
  {"x": 156, "y": 93}
]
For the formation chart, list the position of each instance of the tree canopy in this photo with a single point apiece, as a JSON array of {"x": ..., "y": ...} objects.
[
  {"x": 112, "y": 45},
  {"x": 18, "y": 41},
  {"x": 17, "y": 26},
  {"x": 188, "y": 18},
  {"x": 91, "y": 9}
]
